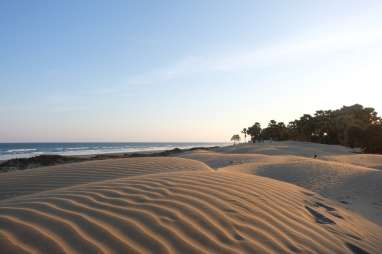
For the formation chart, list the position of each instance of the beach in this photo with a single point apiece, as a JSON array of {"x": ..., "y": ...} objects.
[
  {"x": 191, "y": 127},
  {"x": 272, "y": 197}
]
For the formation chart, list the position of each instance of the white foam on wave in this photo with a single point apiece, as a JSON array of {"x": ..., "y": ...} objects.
[
  {"x": 4, "y": 157},
  {"x": 23, "y": 150},
  {"x": 76, "y": 148}
]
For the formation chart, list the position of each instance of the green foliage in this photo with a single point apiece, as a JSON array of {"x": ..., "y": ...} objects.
[
  {"x": 275, "y": 131},
  {"x": 355, "y": 136},
  {"x": 37, "y": 161},
  {"x": 235, "y": 138},
  {"x": 353, "y": 126},
  {"x": 254, "y": 131},
  {"x": 373, "y": 139}
]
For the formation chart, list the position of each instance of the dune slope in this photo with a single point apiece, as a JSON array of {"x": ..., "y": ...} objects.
[
  {"x": 366, "y": 160},
  {"x": 358, "y": 188},
  {"x": 18, "y": 183},
  {"x": 183, "y": 212},
  {"x": 352, "y": 179},
  {"x": 217, "y": 160},
  {"x": 305, "y": 149}
]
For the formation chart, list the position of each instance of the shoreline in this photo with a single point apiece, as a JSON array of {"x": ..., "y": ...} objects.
[
  {"x": 45, "y": 160},
  {"x": 10, "y": 151}
]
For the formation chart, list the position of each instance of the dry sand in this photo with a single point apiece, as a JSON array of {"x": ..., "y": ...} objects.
[
  {"x": 354, "y": 180},
  {"x": 218, "y": 159},
  {"x": 357, "y": 188},
  {"x": 17, "y": 183},
  {"x": 177, "y": 205},
  {"x": 366, "y": 160},
  {"x": 288, "y": 148}
]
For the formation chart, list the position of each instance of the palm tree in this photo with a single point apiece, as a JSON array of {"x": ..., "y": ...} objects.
[
  {"x": 244, "y": 131},
  {"x": 235, "y": 138}
]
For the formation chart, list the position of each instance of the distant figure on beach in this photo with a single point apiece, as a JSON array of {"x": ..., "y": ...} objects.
[{"x": 315, "y": 156}]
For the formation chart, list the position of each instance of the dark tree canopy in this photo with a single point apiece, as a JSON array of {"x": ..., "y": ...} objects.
[
  {"x": 254, "y": 131},
  {"x": 353, "y": 126}
]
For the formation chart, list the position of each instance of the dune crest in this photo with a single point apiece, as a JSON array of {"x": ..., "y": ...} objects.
[{"x": 18, "y": 183}]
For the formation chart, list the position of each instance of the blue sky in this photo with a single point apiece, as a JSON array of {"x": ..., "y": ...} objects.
[{"x": 180, "y": 70}]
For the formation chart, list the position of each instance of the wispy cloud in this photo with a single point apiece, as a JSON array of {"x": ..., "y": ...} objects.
[{"x": 350, "y": 36}]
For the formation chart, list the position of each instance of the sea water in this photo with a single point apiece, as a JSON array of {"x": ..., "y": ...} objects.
[{"x": 26, "y": 150}]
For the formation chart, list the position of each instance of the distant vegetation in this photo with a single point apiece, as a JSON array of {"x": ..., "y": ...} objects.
[
  {"x": 235, "y": 138},
  {"x": 37, "y": 161},
  {"x": 352, "y": 126}
]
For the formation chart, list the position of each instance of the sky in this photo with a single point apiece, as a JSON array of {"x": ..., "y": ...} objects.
[{"x": 180, "y": 70}]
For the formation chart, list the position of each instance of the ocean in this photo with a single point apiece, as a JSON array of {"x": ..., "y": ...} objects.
[{"x": 26, "y": 150}]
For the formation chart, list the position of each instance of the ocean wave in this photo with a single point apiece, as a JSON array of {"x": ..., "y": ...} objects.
[
  {"x": 9, "y": 156},
  {"x": 113, "y": 147},
  {"x": 77, "y": 148},
  {"x": 20, "y": 150}
]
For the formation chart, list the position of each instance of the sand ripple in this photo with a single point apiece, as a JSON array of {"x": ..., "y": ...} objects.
[
  {"x": 182, "y": 212},
  {"x": 18, "y": 183}
]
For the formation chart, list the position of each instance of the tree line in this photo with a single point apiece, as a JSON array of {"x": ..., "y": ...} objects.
[{"x": 352, "y": 126}]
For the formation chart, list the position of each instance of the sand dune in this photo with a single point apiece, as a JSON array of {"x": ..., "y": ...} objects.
[
  {"x": 183, "y": 212},
  {"x": 17, "y": 183},
  {"x": 359, "y": 188},
  {"x": 366, "y": 160},
  {"x": 182, "y": 205},
  {"x": 217, "y": 160},
  {"x": 351, "y": 179},
  {"x": 305, "y": 149}
]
